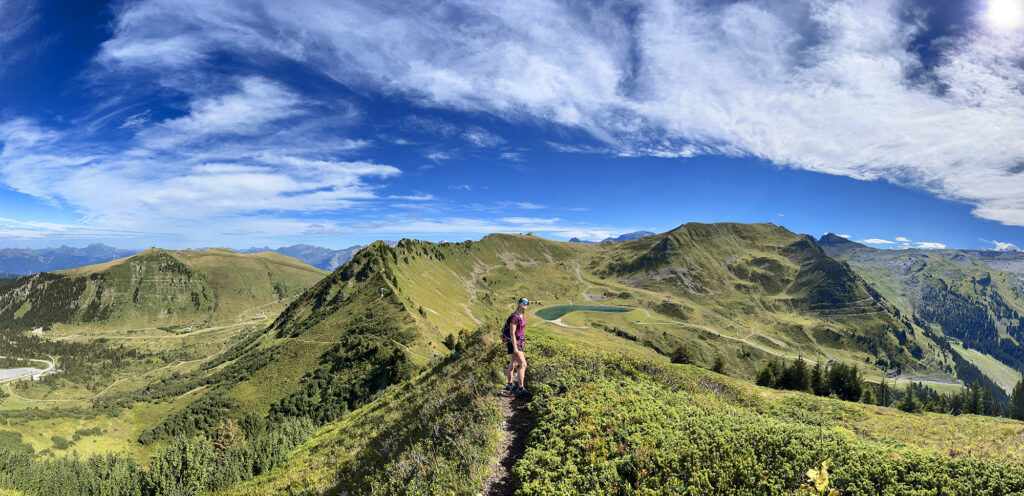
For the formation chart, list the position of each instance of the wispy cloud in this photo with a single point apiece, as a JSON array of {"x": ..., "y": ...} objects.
[
  {"x": 553, "y": 227},
  {"x": 421, "y": 197},
  {"x": 876, "y": 241},
  {"x": 1002, "y": 246},
  {"x": 247, "y": 111},
  {"x": 674, "y": 79},
  {"x": 512, "y": 156},
  {"x": 930, "y": 245},
  {"x": 438, "y": 157},
  {"x": 902, "y": 239},
  {"x": 145, "y": 188},
  {"x": 481, "y": 138},
  {"x": 504, "y": 205},
  {"x": 16, "y": 18}
]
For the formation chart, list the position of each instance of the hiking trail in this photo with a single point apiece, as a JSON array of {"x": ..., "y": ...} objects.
[{"x": 515, "y": 427}]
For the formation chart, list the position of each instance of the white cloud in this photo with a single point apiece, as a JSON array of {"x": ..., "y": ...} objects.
[
  {"x": 411, "y": 226},
  {"x": 1002, "y": 246},
  {"x": 847, "y": 236},
  {"x": 480, "y": 138},
  {"x": 16, "y": 18},
  {"x": 835, "y": 87},
  {"x": 902, "y": 239},
  {"x": 930, "y": 245},
  {"x": 257, "y": 102},
  {"x": 876, "y": 241},
  {"x": 420, "y": 197},
  {"x": 211, "y": 189},
  {"x": 437, "y": 157},
  {"x": 530, "y": 221},
  {"x": 512, "y": 156},
  {"x": 464, "y": 187},
  {"x": 529, "y": 206}
]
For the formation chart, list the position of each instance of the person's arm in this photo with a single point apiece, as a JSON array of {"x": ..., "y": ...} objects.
[{"x": 513, "y": 331}]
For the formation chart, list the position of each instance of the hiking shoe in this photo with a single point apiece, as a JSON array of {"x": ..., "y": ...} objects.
[
  {"x": 509, "y": 386},
  {"x": 522, "y": 392}
]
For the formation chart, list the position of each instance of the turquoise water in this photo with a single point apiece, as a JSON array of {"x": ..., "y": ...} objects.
[{"x": 556, "y": 312}]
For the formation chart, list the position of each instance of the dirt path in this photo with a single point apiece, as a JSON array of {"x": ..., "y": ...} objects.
[
  {"x": 587, "y": 297},
  {"x": 515, "y": 427},
  {"x": 725, "y": 336}
]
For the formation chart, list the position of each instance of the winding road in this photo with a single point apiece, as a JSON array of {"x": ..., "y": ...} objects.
[{"x": 49, "y": 366}]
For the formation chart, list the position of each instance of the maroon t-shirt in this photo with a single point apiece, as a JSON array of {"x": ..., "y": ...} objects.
[{"x": 520, "y": 328}]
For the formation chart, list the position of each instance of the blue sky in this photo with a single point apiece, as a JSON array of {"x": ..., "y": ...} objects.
[{"x": 249, "y": 123}]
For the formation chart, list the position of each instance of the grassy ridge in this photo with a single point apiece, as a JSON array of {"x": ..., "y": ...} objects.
[
  {"x": 610, "y": 423},
  {"x": 156, "y": 288}
]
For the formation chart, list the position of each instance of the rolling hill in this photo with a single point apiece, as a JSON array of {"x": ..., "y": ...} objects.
[{"x": 155, "y": 288}]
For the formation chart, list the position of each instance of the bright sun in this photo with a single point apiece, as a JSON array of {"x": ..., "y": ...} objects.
[{"x": 1005, "y": 14}]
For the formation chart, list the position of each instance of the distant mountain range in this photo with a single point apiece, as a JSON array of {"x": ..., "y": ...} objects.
[
  {"x": 625, "y": 237},
  {"x": 317, "y": 256},
  {"x": 25, "y": 261}
]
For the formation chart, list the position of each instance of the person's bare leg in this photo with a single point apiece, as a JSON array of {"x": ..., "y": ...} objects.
[
  {"x": 522, "y": 368},
  {"x": 511, "y": 368}
]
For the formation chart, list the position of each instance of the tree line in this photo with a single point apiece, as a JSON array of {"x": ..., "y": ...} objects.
[{"x": 846, "y": 382}]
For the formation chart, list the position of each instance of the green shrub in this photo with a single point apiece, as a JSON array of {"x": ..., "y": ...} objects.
[{"x": 60, "y": 443}]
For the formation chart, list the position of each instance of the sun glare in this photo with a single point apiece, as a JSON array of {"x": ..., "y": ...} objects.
[{"x": 1005, "y": 14}]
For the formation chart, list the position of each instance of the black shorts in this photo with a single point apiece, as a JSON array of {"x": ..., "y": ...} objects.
[{"x": 520, "y": 347}]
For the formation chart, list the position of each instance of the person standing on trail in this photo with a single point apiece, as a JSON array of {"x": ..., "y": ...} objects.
[{"x": 513, "y": 333}]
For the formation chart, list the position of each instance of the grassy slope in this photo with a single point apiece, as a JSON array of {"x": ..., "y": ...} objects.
[
  {"x": 610, "y": 423},
  {"x": 900, "y": 275},
  {"x": 159, "y": 288},
  {"x": 1002, "y": 375},
  {"x": 439, "y": 430},
  {"x": 446, "y": 288},
  {"x": 765, "y": 279}
]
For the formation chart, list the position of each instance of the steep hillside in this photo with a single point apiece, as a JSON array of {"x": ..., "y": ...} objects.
[
  {"x": 607, "y": 423},
  {"x": 777, "y": 284},
  {"x": 972, "y": 296},
  {"x": 155, "y": 288}
]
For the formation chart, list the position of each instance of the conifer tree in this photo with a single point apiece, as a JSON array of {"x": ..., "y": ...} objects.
[
  {"x": 867, "y": 397},
  {"x": 1017, "y": 401},
  {"x": 974, "y": 399},
  {"x": 883, "y": 393},
  {"x": 818, "y": 380},
  {"x": 987, "y": 402},
  {"x": 681, "y": 355},
  {"x": 908, "y": 403},
  {"x": 719, "y": 365}
]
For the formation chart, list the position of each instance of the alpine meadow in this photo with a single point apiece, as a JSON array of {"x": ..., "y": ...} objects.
[{"x": 545, "y": 247}]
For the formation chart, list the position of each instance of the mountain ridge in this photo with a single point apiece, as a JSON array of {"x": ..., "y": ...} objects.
[
  {"x": 154, "y": 286},
  {"x": 27, "y": 261}
]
